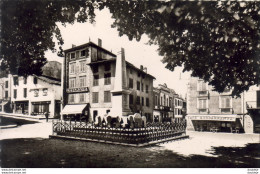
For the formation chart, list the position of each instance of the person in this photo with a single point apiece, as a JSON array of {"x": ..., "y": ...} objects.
[{"x": 46, "y": 116}]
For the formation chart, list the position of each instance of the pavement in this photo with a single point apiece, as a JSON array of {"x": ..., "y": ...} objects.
[
  {"x": 199, "y": 143},
  {"x": 41, "y": 129}
]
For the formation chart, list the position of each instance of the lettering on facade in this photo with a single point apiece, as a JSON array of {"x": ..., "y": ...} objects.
[
  {"x": 72, "y": 90},
  {"x": 216, "y": 118}
]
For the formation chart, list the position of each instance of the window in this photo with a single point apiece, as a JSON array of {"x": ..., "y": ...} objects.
[
  {"x": 6, "y": 84},
  {"x": 146, "y": 88},
  {"x": 95, "y": 81},
  {"x": 95, "y": 97},
  {"x": 24, "y": 92},
  {"x": 142, "y": 101},
  {"x": 175, "y": 102},
  {"x": 71, "y": 98},
  {"x": 156, "y": 100},
  {"x": 16, "y": 81},
  {"x": 107, "y": 78},
  {"x": 83, "y": 53},
  {"x": 82, "y": 81},
  {"x": 25, "y": 80},
  {"x": 142, "y": 87},
  {"x": 82, "y": 66},
  {"x": 225, "y": 102},
  {"x": 131, "y": 99},
  {"x": 147, "y": 102},
  {"x": 131, "y": 71},
  {"x": 36, "y": 92},
  {"x": 138, "y": 85},
  {"x": 131, "y": 83},
  {"x": 6, "y": 94},
  {"x": 72, "y": 82},
  {"x": 45, "y": 91},
  {"x": 95, "y": 69},
  {"x": 35, "y": 80},
  {"x": 82, "y": 97},
  {"x": 202, "y": 104},
  {"x": 201, "y": 86},
  {"x": 161, "y": 101},
  {"x": 72, "y": 68},
  {"x": 107, "y": 96},
  {"x": 72, "y": 55},
  {"x": 138, "y": 100},
  {"x": 107, "y": 67}
]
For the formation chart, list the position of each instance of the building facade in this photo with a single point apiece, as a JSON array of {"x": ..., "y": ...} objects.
[
  {"x": 97, "y": 82},
  {"x": 36, "y": 95},
  {"x": 167, "y": 104},
  {"x": 5, "y": 94},
  {"x": 209, "y": 110}
]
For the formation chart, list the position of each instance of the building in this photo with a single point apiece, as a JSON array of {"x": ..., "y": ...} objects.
[
  {"x": 209, "y": 110},
  {"x": 97, "y": 82},
  {"x": 36, "y": 95},
  {"x": 5, "y": 93},
  {"x": 167, "y": 103}
]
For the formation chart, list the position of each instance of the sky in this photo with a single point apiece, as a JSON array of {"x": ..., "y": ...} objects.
[{"x": 137, "y": 53}]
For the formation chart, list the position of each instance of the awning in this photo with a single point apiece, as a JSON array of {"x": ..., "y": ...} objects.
[
  {"x": 213, "y": 117},
  {"x": 4, "y": 103},
  {"x": 73, "y": 109}
]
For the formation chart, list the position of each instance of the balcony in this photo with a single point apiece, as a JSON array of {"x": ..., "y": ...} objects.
[
  {"x": 252, "y": 105},
  {"x": 226, "y": 110},
  {"x": 203, "y": 93},
  {"x": 203, "y": 110}
]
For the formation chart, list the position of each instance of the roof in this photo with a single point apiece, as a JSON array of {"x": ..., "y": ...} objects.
[
  {"x": 127, "y": 64},
  {"x": 49, "y": 80},
  {"x": 86, "y": 45}
]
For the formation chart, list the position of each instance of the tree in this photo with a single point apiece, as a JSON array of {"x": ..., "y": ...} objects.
[
  {"x": 216, "y": 41},
  {"x": 29, "y": 29}
]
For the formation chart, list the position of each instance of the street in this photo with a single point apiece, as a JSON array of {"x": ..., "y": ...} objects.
[{"x": 28, "y": 146}]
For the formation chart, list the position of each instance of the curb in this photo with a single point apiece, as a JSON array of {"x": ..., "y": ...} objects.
[{"x": 118, "y": 143}]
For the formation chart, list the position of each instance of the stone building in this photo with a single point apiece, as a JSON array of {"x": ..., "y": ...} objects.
[
  {"x": 209, "y": 110},
  {"x": 97, "y": 82},
  {"x": 36, "y": 95},
  {"x": 5, "y": 93},
  {"x": 167, "y": 104}
]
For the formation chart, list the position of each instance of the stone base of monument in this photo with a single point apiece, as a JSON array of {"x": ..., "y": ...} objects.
[{"x": 153, "y": 133}]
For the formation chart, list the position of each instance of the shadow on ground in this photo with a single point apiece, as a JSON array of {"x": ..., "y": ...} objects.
[
  {"x": 53, "y": 153},
  {"x": 4, "y": 121}
]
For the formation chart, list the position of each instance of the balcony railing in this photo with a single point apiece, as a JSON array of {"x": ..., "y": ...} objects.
[
  {"x": 253, "y": 105},
  {"x": 203, "y": 93},
  {"x": 203, "y": 110}
]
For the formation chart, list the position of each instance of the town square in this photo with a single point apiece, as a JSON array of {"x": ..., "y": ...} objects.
[{"x": 130, "y": 84}]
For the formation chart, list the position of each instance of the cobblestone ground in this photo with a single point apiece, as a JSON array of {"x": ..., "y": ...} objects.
[{"x": 28, "y": 146}]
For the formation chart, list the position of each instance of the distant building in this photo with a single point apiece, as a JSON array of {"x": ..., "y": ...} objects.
[
  {"x": 167, "y": 104},
  {"x": 97, "y": 82},
  {"x": 5, "y": 94},
  {"x": 36, "y": 95},
  {"x": 209, "y": 110}
]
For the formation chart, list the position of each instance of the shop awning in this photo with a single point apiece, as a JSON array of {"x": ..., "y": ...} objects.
[
  {"x": 213, "y": 117},
  {"x": 73, "y": 109},
  {"x": 4, "y": 103}
]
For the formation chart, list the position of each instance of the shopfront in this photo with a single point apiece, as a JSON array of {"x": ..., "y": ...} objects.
[
  {"x": 21, "y": 107},
  {"x": 216, "y": 123},
  {"x": 75, "y": 112},
  {"x": 39, "y": 108}
]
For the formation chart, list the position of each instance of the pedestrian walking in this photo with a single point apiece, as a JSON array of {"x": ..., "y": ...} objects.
[{"x": 46, "y": 116}]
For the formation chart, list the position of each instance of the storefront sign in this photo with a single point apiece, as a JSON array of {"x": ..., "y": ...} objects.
[
  {"x": 83, "y": 89},
  {"x": 213, "y": 118}
]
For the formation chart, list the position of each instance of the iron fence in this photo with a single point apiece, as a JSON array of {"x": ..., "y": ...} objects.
[{"x": 152, "y": 132}]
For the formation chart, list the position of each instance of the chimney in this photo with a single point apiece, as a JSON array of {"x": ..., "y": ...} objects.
[
  {"x": 73, "y": 46},
  {"x": 145, "y": 69},
  {"x": 99, "y": 42},
  {"x": 141, "y": 67}
]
